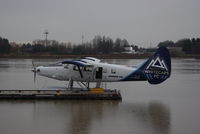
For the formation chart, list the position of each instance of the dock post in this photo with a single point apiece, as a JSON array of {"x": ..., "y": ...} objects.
[{"x": 98, "y": 84}]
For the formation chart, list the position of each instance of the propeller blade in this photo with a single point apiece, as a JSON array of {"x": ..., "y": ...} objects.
[
  {"x": 34, "y": 75},
  {"x": 34, "y": 71},
  {"x": 33, "y": 64}
]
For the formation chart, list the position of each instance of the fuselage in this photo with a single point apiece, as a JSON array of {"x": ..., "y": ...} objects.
[
  {"x": 94, "y": 72},
  {"x": 155, "y": 70}
]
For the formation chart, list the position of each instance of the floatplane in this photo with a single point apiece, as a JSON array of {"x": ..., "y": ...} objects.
[{"x": 88, "y": 70}]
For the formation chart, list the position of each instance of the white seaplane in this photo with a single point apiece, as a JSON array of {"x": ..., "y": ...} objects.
[{"x": 86, "y": 70}]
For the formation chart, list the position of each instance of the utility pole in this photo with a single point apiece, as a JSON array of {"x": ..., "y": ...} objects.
[{"x": 46, "y": 33}]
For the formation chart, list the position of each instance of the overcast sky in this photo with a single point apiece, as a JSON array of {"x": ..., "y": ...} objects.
[{"x": 142, "y": 22}]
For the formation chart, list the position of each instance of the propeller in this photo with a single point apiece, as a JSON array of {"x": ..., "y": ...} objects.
[{"x": 34, "y": 70}]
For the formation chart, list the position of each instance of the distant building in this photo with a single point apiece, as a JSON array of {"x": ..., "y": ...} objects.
[
  {"x": 175, "y": 50},
  {"x": 128, "y": 49}
]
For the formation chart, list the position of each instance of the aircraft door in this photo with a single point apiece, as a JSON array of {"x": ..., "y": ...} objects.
[{"x": 98, "y": 73}]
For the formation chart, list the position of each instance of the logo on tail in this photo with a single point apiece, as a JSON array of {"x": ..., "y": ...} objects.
[
  {"x": 157, "y": 63},
  {"x": 157, "y": 70}
]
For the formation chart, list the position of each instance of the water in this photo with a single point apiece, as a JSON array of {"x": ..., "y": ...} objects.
[{"x": 169, "y": 108}]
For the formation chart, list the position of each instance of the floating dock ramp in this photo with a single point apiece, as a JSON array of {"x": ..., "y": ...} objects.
[{"x": 74, "y": 94}]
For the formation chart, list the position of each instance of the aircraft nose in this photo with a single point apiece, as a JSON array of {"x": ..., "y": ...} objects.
[{"x": 36, "y": 69}]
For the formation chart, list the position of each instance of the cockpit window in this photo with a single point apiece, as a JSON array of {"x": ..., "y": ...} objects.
[
  {"x": 88, "y": 68},
  {"x": 75, "y": 68}
]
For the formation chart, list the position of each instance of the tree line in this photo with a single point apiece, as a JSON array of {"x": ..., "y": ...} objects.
[
  {"x": 98, "y": 45},
  {"x": 5, "y": 47},
  {"x": 189, "y": 46}
]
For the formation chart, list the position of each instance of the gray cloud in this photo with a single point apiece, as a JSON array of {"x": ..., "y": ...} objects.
[{"x": 139, "y": 21}]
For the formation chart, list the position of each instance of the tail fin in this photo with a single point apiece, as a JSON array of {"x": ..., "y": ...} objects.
[{"x": 158, "y": 67}]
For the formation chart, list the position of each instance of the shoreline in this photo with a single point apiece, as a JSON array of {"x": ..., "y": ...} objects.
[
  {"x": 71, "y": 56},
  {"x": 99, "y": 56}
]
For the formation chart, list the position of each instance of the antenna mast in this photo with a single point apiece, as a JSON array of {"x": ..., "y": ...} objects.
[{"x": 46, "y": 33}]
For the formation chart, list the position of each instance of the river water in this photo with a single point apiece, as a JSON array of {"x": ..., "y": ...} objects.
[{"x": 168, "y": 108}]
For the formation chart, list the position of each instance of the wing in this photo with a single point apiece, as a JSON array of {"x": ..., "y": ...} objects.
[
  {"x": 87, "y": 61},
  {"x": 76, "y": 62},
  {"x": 81, "y": 63},
  {"x": 91, "y": 59}
]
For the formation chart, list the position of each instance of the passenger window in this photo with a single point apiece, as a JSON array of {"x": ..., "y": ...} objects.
[
  {"x": 113, "y": 71},
  {"x": 81, "y": 68},
  {"x": 104, "y": 70},
  {"x": 75, "y": 68},
  {"x": 88, "y": 68}
]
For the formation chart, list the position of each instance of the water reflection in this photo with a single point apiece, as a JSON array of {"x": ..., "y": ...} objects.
[
  {"x": 84, "y": 113},
  {"x": 160, "y": 117},
  {"x": 83, "y": 117},
  {"x": 156, "y": 114}
]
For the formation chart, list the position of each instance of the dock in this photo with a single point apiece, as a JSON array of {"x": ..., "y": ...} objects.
[{"x": 75, "y": 94}]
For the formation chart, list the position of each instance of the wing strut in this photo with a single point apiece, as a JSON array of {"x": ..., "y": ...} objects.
[{"x": 79, "y": 69}]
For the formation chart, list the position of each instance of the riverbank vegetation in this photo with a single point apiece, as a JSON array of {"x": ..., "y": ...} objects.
[{"x": 100, "y": 46}]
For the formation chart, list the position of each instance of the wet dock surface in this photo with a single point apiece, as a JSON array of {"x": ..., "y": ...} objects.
[{"x": 60, "y": 94}]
